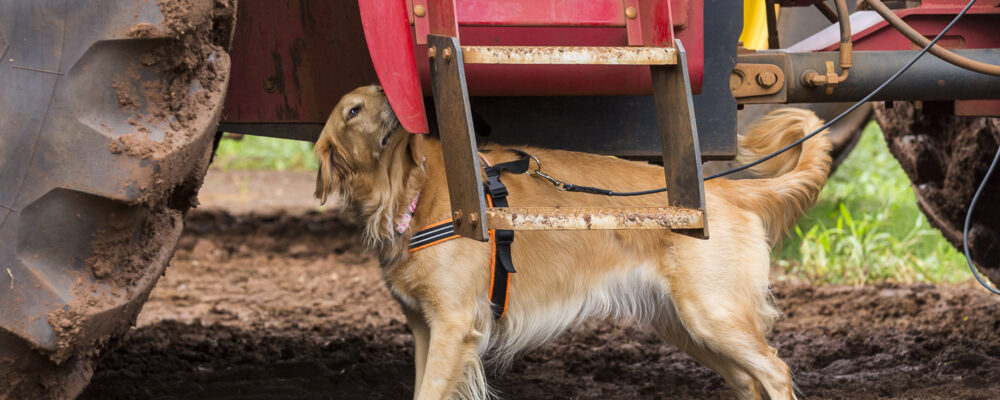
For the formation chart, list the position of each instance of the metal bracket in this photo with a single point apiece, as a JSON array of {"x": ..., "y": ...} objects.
[
  {"x": 421, "y": 22},
  {"x": 749, "y": 80},
  {"x": 633, "y": 23},
  {"x": 458, "y": 138},
  {"x": 679, "y": 138}
]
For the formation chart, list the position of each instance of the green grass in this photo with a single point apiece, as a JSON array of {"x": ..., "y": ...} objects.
[
  {"x": 257, "y": 152},
  {"x": 866, "y": 228}
]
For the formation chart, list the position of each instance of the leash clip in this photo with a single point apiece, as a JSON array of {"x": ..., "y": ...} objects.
[{"x": 559, "y": 185}]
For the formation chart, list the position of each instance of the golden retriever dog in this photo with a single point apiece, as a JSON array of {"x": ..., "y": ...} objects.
[{"x": 709, "y": 298}]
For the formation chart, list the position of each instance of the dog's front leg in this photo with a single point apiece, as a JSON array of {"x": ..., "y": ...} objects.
[
  {"x": 452, "y": 360},
  {"x": 421, "y": 340}
]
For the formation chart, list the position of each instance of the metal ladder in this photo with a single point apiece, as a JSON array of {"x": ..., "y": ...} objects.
[{"x": 685, "y": 211}]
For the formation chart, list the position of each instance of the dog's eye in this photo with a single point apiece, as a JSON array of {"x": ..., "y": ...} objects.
[{"x": 353, "y": 112}]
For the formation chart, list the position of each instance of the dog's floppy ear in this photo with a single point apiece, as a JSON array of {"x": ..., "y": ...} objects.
[{"x": 324, "y": 176}]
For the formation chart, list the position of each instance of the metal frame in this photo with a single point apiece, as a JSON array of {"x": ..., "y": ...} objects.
[
  {"x": 458, "y": 137},
  {"x": 675, "y": 120},
  {"x": 871, "y": 69},
  {"x": 679, "y": 137}
]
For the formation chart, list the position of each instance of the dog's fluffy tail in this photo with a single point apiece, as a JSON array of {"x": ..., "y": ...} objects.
[{"x": 790, "y": 182}]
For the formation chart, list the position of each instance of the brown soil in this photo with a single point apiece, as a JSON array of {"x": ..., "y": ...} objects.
[
  {"x": 287, "y": 305},
  {"x": 946, "y": 158}
]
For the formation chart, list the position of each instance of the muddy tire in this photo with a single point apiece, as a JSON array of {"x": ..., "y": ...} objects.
[
  {"x": 107, "y": 118},
  {"x": 946, "y": 158}
]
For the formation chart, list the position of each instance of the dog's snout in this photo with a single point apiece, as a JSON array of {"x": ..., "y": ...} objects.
[{"x": 379, "y": 88}]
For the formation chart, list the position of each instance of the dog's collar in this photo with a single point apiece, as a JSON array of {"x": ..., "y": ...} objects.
[{"x": 404, "y": 221}]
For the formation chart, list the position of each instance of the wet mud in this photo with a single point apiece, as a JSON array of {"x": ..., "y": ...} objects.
[
  {"x": 289, "y": 306},
  {"x": 946, "y": 157}
]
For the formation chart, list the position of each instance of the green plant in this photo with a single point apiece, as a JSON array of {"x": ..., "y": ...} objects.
[
  {"x": 257, "y": 152},
  {"x": 866, "y": 228}
]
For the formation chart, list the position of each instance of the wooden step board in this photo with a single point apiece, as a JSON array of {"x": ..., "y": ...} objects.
[
  {"x": 569, "y": 55},
  {"x": 547, "y": 218}
]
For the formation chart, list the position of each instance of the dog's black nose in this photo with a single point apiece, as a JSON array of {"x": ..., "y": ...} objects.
[{"x": 379, "y": 88}]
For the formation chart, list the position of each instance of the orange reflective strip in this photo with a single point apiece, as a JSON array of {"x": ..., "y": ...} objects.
[
  {"x": 493, "y": 263},
  {"x": 506, "y": 295}
]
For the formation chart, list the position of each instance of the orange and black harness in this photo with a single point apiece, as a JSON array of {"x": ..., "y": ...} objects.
[{"x": 500, "y": 239}]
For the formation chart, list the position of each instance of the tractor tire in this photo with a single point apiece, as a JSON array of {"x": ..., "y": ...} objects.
[
  {"x": 946, "y": 158},
  {"x": 108, "y": 113}
]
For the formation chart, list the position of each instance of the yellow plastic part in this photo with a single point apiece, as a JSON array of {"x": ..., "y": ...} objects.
[{"x": 754, "y": 34}]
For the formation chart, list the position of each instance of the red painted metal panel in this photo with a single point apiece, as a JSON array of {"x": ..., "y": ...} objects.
[
  {"x": 541, "y": 13},
  {"x": 689, "y": 27},
  {"x": 977, "y": 108},
  {"x": 441, "y": 15},
  {"x": 387, "y": 32},
  {"x": 293, "y": 60},
  {"x": 657, "y": 30},
  {"x": 291, "y": 66}
]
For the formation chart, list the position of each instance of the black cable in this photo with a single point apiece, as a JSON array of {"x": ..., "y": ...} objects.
[
  {"x": 856, "y": 105},
  {"x": 968, "y": 220}
]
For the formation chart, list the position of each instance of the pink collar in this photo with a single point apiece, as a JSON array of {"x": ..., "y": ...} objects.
[{"x": 404, "y": 221}]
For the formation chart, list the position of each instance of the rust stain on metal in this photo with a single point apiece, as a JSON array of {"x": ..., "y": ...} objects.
[
  {"x": 528, "y": 219},
  {"x": 569, "y": 55}
]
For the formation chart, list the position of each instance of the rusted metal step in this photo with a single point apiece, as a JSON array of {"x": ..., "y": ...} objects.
[
  {"x": 569, "y": 55},
  {"x": 675, "y": 118},
  {"x": 548, "y": 218}
]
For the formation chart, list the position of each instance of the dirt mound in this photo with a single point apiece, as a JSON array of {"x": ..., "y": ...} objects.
[{"x": 288, "y": 307}]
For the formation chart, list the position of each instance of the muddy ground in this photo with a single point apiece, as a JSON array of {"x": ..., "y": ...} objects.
[{"x": 271, "y": 299}]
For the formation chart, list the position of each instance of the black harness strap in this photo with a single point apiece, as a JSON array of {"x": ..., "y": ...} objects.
[
  {"x": 432, "y": 235},
  {"x": 501, "y": 237},
  {"x": 502, "y": 264}
]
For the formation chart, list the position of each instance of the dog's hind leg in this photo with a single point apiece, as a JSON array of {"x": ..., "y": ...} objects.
[
  {"x": 671, "y": 330},
  {"x": 421, "y": 340},
  {"x": 727, "y": 321}
]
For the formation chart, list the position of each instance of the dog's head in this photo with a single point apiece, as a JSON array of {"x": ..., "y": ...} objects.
[
  {"x": 368, "y": 162},
  {"x": 353, "y": 142}
]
